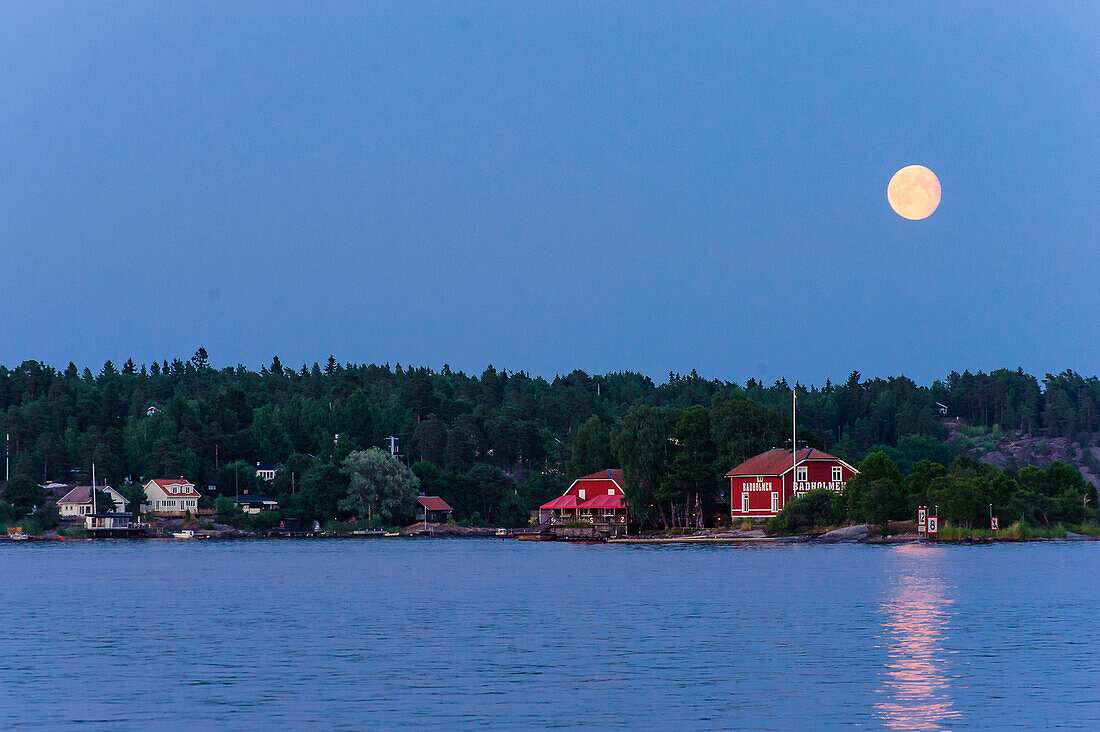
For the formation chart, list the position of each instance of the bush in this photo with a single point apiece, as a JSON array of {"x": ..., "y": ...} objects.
[
  {"x": 47, "y": 517},
  {"x": 1090, "y": 528},
  {"x": 818, "y": 508},
  {"x": 225, "y": 506},
  {"x": 265, "y": 520}
]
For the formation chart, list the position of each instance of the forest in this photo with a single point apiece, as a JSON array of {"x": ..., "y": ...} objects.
[{"x": 495, "y": 444}]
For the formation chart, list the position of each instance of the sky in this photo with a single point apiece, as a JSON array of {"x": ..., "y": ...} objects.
[{"x": 613, "y": 186}]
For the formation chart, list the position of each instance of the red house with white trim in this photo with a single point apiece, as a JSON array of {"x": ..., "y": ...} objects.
[
  {"x": 598, "y": 499},
  {"x": 762, "y": 485}
]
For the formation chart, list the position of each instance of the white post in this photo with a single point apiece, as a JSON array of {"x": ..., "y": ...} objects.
[
  {"x": 794, "y": 439},
  {"x": 93, "y": 490}
]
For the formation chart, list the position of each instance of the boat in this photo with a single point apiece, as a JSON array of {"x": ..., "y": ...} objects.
[
  {"x": 185, "y": 534},
  {"x": 392, "y": 533}
]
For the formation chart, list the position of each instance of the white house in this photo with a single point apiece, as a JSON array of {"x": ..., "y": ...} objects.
[
  {"x": 78, "y": 501},
  {"x": 171, "y": 496},
  {"x": 268, "y": 471}
]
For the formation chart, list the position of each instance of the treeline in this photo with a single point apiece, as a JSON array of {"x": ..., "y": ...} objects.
[
  {"x": 493, "y": 444},
  {"x": 965, "y": 494}
]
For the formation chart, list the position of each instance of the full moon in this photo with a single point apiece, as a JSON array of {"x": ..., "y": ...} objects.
[{"x": 914, "y": 192}]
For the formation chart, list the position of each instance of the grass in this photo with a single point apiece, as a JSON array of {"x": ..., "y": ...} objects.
[
  {"x": 1090, "y": 528},
  {"x": 1015, "y": 532}
]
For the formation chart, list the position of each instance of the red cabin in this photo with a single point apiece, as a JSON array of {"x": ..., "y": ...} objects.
[
  {"x": 761, "y": 486},
  {"x": 597, "y": 499}
]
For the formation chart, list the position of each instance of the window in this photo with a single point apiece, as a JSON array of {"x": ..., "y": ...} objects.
[
  {"x": 837, "y": 474},
  {"x": 760, "y": 479},
  {"x": 610, "y": 491},
  {"x": 580, "y": 493},
  {"x": 800, "y": 474},
  {"x": 745, "y": 502},
  {"x": 775, "y": 502}
]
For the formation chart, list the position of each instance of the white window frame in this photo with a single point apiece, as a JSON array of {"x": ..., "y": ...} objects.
[
  {"x": 775, "y": 502},
  {"x": 744, "y": 502},
  {"x": 838, "y": 474},
  {"x": 801, "y": 474},
  {"x": 580, "y": 493}
]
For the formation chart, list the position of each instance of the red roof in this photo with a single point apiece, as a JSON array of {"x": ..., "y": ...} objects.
[
  {"x": 433, "y": 503},
  {"x": 566, "y": 501},
  {"x": 614, "y": 474},
  {"x": 777, "y": 461},
  {"x": 163, "y": 484},
  {"x": 603, "y": 502}
]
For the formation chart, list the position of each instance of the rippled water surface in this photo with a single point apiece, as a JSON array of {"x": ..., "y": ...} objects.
[{"x": 355, "y": 633}]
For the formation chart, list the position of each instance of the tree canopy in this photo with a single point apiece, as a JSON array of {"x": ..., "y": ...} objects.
[{"x": 184, "y": 416}]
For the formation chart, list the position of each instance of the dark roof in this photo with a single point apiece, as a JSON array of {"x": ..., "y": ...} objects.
[
  {"x": 83, "y": 494},
  {"x": 253, "y": 498},
  {"x": 433, "y": 503},
  {"x": 777, "y": 461}
]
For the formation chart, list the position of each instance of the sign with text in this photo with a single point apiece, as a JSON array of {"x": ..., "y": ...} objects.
[
  {"x": 922, "y": 520},
  {"x": 933, "y": 525},
  {"x": 993, "y": 523}
]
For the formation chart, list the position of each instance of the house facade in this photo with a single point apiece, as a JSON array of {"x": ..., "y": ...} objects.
[
  {"x": 762, "y": 485},
  {"x": 171, "y": 497},
  {"x": 268, "y": 471},
  {"x": 597, "y": 499},
  {"x": 77, "y": 502}
]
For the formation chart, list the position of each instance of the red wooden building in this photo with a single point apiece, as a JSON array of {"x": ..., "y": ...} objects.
[
  {"x": 597, "y": 499},
  {"x": 761, "y": 486}
]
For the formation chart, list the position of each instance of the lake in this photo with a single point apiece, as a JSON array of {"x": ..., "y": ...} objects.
[{"x": 470, "y": 633}]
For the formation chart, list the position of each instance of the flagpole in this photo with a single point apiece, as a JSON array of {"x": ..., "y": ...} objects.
[
  {"x": 794, "y": 439},
  {"x": 93, "y": 489}
]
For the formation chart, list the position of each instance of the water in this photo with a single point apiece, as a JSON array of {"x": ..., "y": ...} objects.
[{"x": 355, "y": 633}]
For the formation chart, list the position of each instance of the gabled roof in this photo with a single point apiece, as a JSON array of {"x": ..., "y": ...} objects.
[
  {"x": 615, "y": 475},
  {"x": 164, "y": 483},
  {"x": 778, "y": 461},
  {"x": 433, "y": 503},
  {"x": 83, "y": 494}
]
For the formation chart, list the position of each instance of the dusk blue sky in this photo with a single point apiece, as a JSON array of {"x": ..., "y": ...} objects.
[{"x": 547, "y": 186}]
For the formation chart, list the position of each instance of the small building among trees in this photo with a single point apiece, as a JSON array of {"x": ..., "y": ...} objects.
[
  {"x": 269, "y": 471},
  {"x": 253, "y": 504},
  {"x": 434, "y": 509},
  {"x": 762, "y": 485}
]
